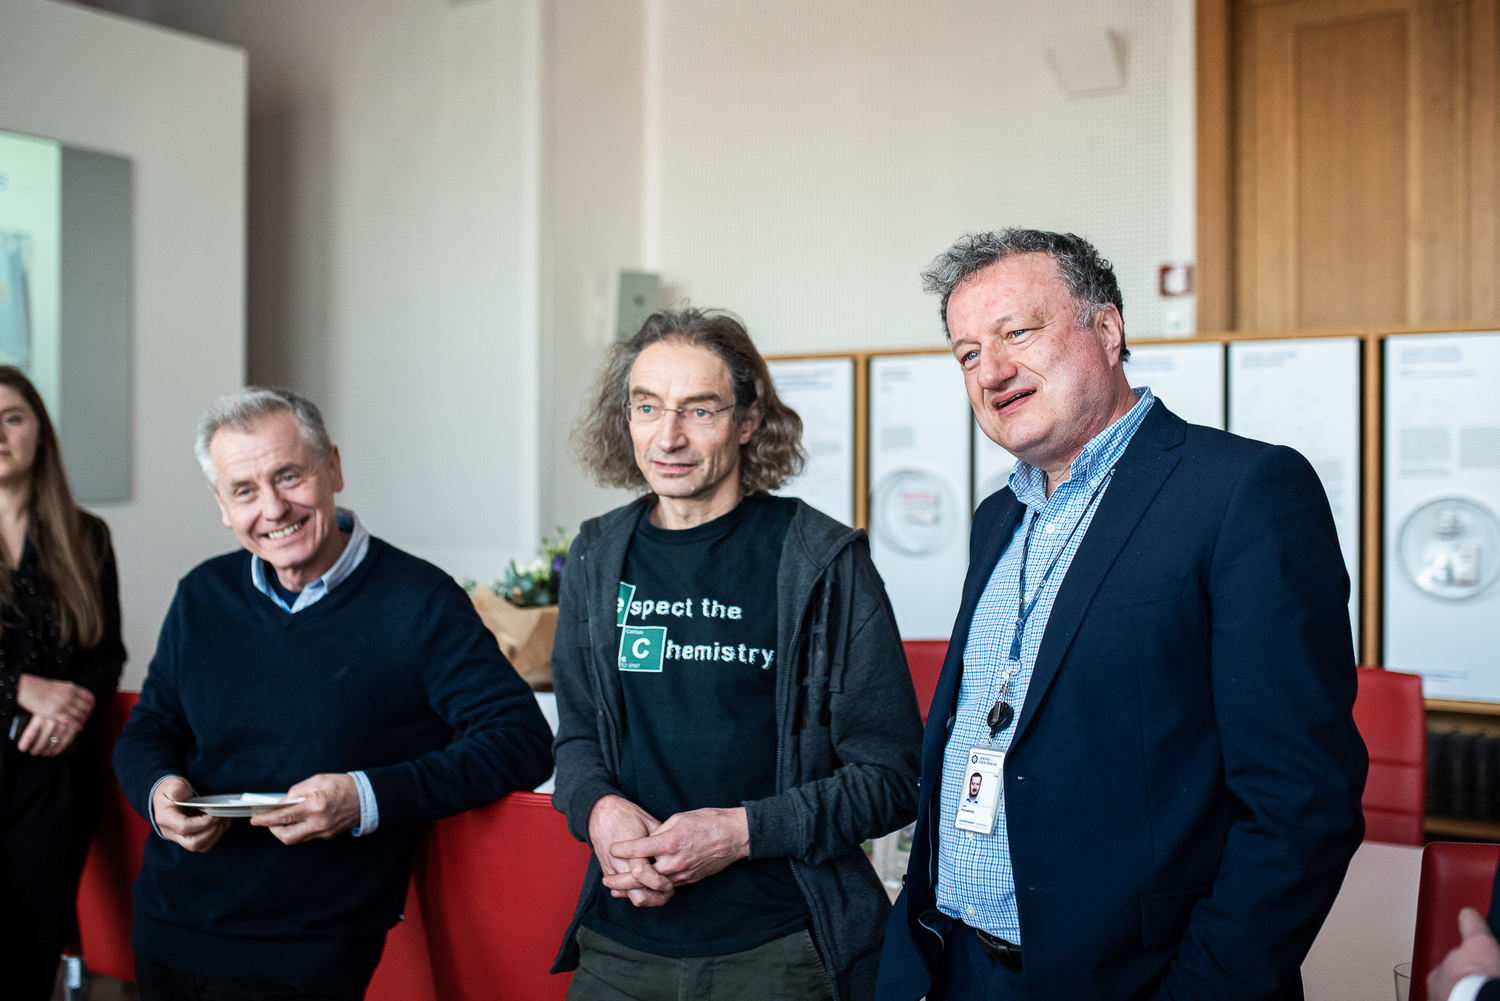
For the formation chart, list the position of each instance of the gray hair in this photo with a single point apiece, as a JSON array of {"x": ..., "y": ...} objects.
[
  {"x": 243, "y": 409},
  {"x": 1089, "y": 277},
  {"x": 774, "y": 453}
]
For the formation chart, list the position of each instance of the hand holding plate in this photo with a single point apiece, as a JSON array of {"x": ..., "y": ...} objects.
[
  {"x": 192, "y": 830},
  {"x": 330, "y": 806}
]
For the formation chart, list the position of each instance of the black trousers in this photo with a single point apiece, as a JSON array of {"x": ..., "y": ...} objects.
[
  {"x": 49, "y": 809},
  {"x": 163, "y": 983}
]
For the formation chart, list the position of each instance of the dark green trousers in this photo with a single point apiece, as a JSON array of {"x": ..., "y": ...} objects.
[{"x": 787, "y": 969}]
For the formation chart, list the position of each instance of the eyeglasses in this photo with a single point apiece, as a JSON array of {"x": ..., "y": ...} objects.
[{"x": 650, "y": 413}]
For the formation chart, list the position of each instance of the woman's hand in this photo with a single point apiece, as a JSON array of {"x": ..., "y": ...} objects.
[
  {"x": 60, "y": 700},
  {"x": 59, "y": 710},
  {"x": 46, "y": 737}
]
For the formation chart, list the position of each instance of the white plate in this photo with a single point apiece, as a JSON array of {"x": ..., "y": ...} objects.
[{"x": 246, "y": 804}]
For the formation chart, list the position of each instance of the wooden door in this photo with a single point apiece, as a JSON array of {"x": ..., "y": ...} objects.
[{"x": 1358, "y": 171}]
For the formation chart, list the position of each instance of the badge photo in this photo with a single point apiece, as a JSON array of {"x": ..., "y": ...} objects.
[{"x": 979, "y": 797}]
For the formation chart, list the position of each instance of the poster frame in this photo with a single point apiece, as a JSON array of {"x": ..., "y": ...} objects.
[{"x": 1372, "y": 451}]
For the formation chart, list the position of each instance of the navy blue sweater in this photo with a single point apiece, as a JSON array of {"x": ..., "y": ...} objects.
[{"x": 245, "y": 697}]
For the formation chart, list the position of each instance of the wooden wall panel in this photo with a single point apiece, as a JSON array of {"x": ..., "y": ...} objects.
[
  {"x": 1349, "y": 166},
  {"x": 1362, "y": 162},
  {"x": 1484, "y": 149}
]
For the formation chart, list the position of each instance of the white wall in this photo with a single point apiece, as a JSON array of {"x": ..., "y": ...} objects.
[
  {"x": 393, "y": 252},
  {"x": 175, "y": 106},
  {"x": 801, "y": 163},
  {"x": 439, "y": 193},
  {"x": 814, "y": 157},
  {"x": 593, "y": 151}
]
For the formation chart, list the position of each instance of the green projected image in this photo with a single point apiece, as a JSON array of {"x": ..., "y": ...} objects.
[{"x": 31, "y": 259}]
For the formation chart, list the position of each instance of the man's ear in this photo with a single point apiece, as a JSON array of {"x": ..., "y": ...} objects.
[
  {"x": 1109, "y": 326},
  {"x": 750, "y": 424},
  {"x": 335, "y": 468},
  {"x": 223, "y": 511}
]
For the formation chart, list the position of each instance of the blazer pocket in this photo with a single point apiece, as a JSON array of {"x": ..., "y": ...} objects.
[
  {"x": 1164, "y": 916},
  {"x": 1142, "y": 594}
]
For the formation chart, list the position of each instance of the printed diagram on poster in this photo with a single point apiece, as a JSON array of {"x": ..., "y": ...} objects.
[
  {"x": 31, "y": 260},
  {"x": 919, "y": 488},
  {"x": 1187, "y": 378},
  {"x": 1304, "y": 393},
  {"x": 821, "y": 390},
  {"x": 1442, "y": 512}
]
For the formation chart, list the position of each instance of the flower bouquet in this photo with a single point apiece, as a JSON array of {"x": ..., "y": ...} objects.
[{"x": 521, "y": 610}]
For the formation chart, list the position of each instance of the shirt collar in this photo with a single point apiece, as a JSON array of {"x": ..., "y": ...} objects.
[
  {"x": 1029, "y": 483},
  {"x": 349, "y": 559}
]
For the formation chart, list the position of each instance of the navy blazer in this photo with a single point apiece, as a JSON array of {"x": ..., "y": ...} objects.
[{"x": 1183, "y": 789}]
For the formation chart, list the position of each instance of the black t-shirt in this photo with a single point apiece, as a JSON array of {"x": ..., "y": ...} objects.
[{"x": 696, "y": 621}]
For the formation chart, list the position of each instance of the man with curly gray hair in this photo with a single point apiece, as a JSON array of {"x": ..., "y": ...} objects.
[
  {"x": 1151, "y": 671},
  {"x": 736, "y": 714}
]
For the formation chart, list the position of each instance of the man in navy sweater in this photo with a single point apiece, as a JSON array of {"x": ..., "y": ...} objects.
[{"x": 321, "y": 661}]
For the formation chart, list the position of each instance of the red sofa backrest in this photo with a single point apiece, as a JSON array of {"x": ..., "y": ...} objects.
[
  {"x": 1392, "y": 720},
  {"x": 925, "y": 659},
  {"x": 1454, "y": 876}
]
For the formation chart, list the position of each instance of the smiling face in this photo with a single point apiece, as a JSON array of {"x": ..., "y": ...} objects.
[
  {"x": 19, "y": 430},
  {"x": 694, "y": 468},
  {"x": 276, "y": 493},
  {"x": 1040, "y": 386}
]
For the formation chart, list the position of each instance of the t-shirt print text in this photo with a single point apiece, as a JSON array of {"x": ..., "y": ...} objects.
[{"x": 646, "y": 648}]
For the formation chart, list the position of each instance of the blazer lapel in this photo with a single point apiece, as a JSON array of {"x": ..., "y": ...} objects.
[
  {"x": 1138, "y": 478},
  {"x": 984, "y": 554}
]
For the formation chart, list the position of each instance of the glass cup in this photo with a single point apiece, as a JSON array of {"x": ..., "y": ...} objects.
[{"x": 1403, "y": 981}]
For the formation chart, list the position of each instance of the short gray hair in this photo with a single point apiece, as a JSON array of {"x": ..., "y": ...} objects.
[
  {"x": 243, "y": 409},
  {"x": 1087, "y": 274}
]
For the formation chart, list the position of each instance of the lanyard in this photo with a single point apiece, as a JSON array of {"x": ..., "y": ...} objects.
[
  {"x": 1023, "y": 606},
  {"x": 1001, "y": 712}
]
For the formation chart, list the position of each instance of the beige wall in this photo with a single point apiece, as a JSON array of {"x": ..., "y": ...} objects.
[
  {"x": 175, "y": 106},
  {"x": 393, "y": 252},
  {"x": 439, "y": 193}
]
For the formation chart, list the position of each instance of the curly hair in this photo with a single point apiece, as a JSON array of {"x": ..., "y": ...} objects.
[
  {"x": 601, "y": 439},
  {"x": 1084, "y": 270}
]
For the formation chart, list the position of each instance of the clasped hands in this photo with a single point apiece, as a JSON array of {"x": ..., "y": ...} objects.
[
  {"x": 59, "y": 711},
  {"x": 330, "y": 806},
  {"x": 646, "y": 860}
]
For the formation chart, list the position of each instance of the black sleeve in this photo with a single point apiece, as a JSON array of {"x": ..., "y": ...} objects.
[
  {"x": 876, "y": 732},
  {"x": 1495, "y": 905},
  {"x": 583, "y": 778},
  {"x": 471, "y": 685},
  {"x": 156, "y": 738},
  {"x": 98, "y": 669}
]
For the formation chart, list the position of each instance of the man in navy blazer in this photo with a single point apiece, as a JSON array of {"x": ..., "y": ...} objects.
[{"x": 1152, "y": 655}]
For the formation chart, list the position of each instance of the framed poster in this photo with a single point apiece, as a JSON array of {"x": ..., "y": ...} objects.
[
  {"x": 1305, "y": 393},
  {"x": 1187, "y": 378},
  {"x": 920, "y": 442},
  {"x": 1442, "y": 512},
  {"x": 821, "y": 390}
]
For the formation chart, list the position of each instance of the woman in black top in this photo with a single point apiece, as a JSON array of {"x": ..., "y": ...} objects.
[{"x": 60, "y": 655}]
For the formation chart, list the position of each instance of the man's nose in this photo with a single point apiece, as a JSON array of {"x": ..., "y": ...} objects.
[
  {"x": 671, "y": 432},
  {"x": 273, "y": 506},
  {"x": 995, "y": 367}
]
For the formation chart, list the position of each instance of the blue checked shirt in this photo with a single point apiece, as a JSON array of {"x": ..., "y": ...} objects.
[{"x": 975, "y": 882}]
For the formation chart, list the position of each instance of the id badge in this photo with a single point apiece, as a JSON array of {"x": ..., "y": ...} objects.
[{"x": 982, "y": 793}]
